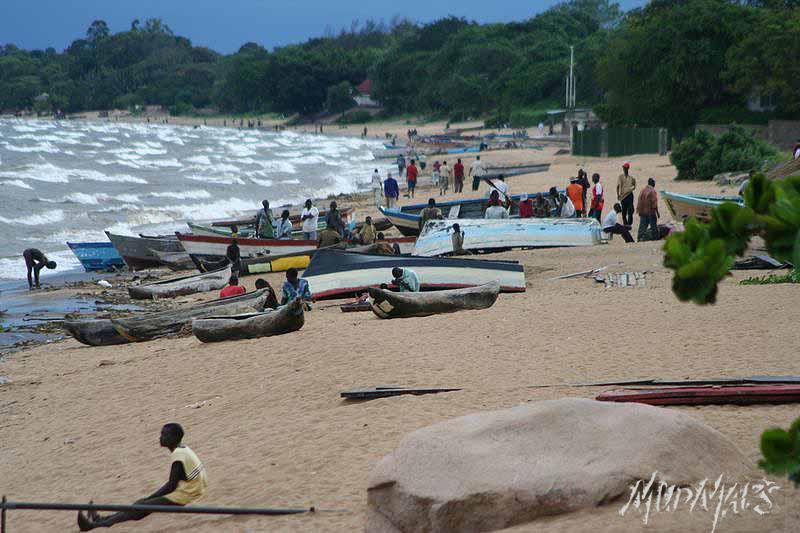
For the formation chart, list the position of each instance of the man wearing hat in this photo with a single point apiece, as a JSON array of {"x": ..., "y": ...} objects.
[{"x": 626, "y": 184}]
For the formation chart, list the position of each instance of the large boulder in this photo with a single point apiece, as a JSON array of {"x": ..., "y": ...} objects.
[{"x": 492, "y": 470}]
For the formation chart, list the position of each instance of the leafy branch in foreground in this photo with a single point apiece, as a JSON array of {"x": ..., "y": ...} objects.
[
  {"x": 791, "y": 277},
  {"x": 781, "y": 451},
  {"x": 703, "y": 253}
]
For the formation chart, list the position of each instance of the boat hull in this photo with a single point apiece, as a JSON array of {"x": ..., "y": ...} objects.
[
  {"x": 210, "y": 281},
  {"x": 285, "y": 319},
  {"x": 333, "y": 274},
  {"x": 683, "y": 206},
  {"x": 216, "y": 246},
  {"x": 388, "y": 304},
  {"x": 508, "y": 233},
  {"x": 137, "y": 252},
  {"x": 97, "y": 256}
]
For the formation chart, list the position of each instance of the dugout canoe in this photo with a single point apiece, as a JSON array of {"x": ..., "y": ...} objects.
[
  {"x": 137, "y": 251},
  {"x": 97, "y": 256},
  {"x": 519, "y": 170},
  {"x": 683, "y": 206},
  {"x": 282, "y": 320},
  {"x": 406, "y": 218},
  {"x": 388, "y": 304},
  {"x": 174, "y": 261},
  {"x": 208, "y": 281},
  {"x": 336, "y": 274},
  {"x": 99, "y": 332},
  {"x": 709, "y": 395},
  {"x": 499, "y": 234}
]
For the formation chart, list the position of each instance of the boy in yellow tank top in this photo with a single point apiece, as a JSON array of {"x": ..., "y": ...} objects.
[{"x": 187, "y": 483}]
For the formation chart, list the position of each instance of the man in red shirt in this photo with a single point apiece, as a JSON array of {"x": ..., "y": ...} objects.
[
  {"x": 575, "y": 193},
  {"x": 411, "y": 178},
  {"x": 458, "y": 175},
  {"x": 233, "y": 288},
  {"x": 525, "y": 207}
]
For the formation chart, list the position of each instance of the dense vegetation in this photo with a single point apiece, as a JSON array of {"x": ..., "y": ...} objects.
[
  {"x": 667, "y": 64},
  {"x": 701, "y": 156}
]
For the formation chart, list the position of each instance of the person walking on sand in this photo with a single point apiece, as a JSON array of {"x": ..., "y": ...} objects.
[
  {"x": 35, "y": 261},
  {"x": 647, "y": 207},
  {"x": 310, "y": 218},
  {"x": 458, "y": 177},
  {"x": 444, "y": 178},
  {"x": 265, "y": 228},
  {"x": 391, "y": 191},
  {"x": 401, "y": 165},
  {"x": 596, "y": 208},
  {"x": 575, "y": 194},
  {"x": 187, "y": 483},
  {"x": 377, "y": 188},
  {"x": 477, "y": 172},
  {"x": 411, "y": 178},
  {"x": 612, "y": 226},
  {"x": 626, "y": 184},
  {"x": 295, "y": 287},
  {"x": 435, "y": 179},
  {"x": 283, "y": 229}
]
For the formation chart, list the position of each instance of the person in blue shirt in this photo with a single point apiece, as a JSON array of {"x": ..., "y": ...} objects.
[
  {"x": 295, "y": 287},
  {"x": 406, "y": 279},
  {"x": 391, "y": 191}
]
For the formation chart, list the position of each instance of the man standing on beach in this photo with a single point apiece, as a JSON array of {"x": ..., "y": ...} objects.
[
  {"x": 458, "y": 174},
  {"x": 377, "y": 187},
  {"x": 310, "y": 217},
  {"x": 187, "y": 483},
  {"x": 575, "y": 194},
  {"x": 391, "y": 190},
  {"x": 411, "y": 178},
  {"x": 284, "y": 228},
  {"x": 333, "y": 220},
  {"x": 264, "y": 227},
  {"x": 626, "y": 184},
  {"x": 647, "y": 207},
  {"x": 477, "y": 172},
  {"x": 35, "y": 260}
]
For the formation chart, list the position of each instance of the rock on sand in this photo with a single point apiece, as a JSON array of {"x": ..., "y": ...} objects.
[{"x": 492, "y": 470}]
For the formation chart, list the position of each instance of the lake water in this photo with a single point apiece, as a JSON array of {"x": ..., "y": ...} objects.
[{"x": 70, "y": 180}]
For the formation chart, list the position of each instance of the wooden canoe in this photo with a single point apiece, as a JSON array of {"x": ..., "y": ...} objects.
[
  {"x": 174, "y": 261},
  {"x": 250, "y": 326},
  {"x": 387, "y": 304},
  {"x": 710, "y": 395},
  {"x": 155, "y": 325},
  {"x": 98, "y": 332},
  {"x": 171, "y": 288}
]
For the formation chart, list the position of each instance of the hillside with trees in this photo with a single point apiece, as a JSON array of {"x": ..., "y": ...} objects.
[{"x": 671, "y": 63}]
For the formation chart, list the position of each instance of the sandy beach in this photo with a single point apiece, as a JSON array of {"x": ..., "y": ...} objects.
[{"x": 80, "y": 423}]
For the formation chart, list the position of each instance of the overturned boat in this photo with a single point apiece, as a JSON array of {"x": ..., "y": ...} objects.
[
  {"x": 683, "y": 206},
  {"x": 97, "y": 256},
  {"x": 406, "y": 218},
  {"x": 155, "y": 325},
  {"x": 499, "y": 234},
  {"x": 209, "y": 281},
  {"x": 334, "y": 274},
  {"x": 282, "y": 320},
  {"x": 388, "y": 304},
  {"x": 137, "y": 252}
]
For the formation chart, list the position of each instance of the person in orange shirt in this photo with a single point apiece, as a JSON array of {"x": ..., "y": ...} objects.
[{"x": 575, "y": 194}]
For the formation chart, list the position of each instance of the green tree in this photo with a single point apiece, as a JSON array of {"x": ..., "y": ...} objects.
[{"x": 340, "y": 97}]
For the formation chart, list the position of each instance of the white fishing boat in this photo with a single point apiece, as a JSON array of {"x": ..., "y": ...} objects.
[
  {"x": 494, "y": 234},
  {"x": 214, "y": 247},
  {"x": 683, "y": 206}
]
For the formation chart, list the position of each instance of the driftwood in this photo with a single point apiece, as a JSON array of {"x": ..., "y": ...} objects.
[
  {"x": 387, "y": 391},
  {"x": 250, "y": 326},
  {"x": 387, "y": 304},
  {"x": 148, "y": 327},
  {"x": 209, "y": 281},
  {"x": 94, "y": 332}
]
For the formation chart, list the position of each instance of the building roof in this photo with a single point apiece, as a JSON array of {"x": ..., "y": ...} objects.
[{"x": 365, "y": 87}]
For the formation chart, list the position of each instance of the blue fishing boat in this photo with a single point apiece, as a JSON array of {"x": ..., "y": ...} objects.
[
  {"x": 97, "y": 256},
  {"x": 406, "y": 218},
  {"x": 467, "y": 150}
]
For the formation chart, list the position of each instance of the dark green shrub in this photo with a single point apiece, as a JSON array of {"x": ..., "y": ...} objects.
[
  {"x": 355, "y": 117},
  {"x": 701, "y": 156}
]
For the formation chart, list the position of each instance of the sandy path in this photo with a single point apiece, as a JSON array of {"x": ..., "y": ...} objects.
[{"x": 265, "y": 416}]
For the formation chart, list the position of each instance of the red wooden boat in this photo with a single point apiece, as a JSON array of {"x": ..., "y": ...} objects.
[{"x": 710, "y": 395}]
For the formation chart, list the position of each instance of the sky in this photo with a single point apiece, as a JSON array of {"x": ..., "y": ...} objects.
[{"x": 224, "y": 25}]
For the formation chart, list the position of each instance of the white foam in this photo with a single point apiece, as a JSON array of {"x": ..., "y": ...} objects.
[
  {"x": 17, "y": 183},
  {"x": 187, "y": 195},
  {"x": 44, "y": 147},
  {"x": 291, "y": 182},
  {"x": 263, "y": 183},
  {"x": 40, "y": 172},
  {"x": 221, "y": 180},
  {"x": 12, "y": 268},
  {"x": 199, "y": 159},
  {"x": 38, "y": 219}
]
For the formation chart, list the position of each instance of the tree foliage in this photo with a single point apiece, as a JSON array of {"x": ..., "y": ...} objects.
[{"x": 701, "y": 156}]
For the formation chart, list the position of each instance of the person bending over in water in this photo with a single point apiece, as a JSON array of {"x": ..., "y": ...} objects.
[
  {"x": 187, "y": 482},
  {"x": 35, "y": 261}
]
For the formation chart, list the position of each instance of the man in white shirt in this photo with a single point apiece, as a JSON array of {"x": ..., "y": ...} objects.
[
  {"x": 310, "y": 218},
  {"x": 495, "y": 212},
  {"x": 377, "y": 188},
  {"x": 611, "y": 226},
  {"x": 477, "y": 172}
]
